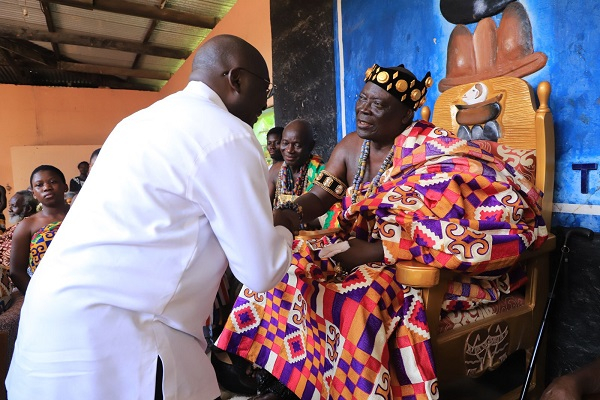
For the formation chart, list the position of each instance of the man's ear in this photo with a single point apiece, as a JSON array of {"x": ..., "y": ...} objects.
[
  {"x": 233, "y": 77},
  {"x": 408, "y": 117}
]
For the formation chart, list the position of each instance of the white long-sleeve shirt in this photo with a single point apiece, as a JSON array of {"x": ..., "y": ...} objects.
[{"x": 178, "y": 192}]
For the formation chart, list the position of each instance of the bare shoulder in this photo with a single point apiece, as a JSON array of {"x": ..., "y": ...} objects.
[
  {"x": 343, "y": 156},
  {"x": 24, "y": 228}
]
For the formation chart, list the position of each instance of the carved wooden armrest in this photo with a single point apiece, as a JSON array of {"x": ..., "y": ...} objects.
[
  {"x": 546, "y": 247},
  {"x": 415, "y": 274}
]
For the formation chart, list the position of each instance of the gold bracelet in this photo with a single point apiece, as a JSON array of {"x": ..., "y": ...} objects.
[{"x": 331, "y": 184}]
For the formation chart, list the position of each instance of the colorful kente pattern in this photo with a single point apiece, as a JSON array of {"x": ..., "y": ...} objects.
[
  {"x": 287, "y": 190},
  {"x": 39, "y": 244},
  {"x": 363, "y": 338},
  {"x": 446, "y": 203},
  {"x": 449, "y": 204}
]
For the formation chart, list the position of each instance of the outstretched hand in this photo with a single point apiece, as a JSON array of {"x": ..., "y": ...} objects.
[
  {"x": 359, "y": 252},
  {"x": 288, "y": 219}
]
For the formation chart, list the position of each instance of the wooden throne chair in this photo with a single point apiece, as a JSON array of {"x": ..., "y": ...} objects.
[{"x": 503, "y": 114}]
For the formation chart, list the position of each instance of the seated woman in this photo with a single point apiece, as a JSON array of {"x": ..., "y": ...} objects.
[
  {"x": 34, "y": 234},
  {"x": 340, "y": 325}
]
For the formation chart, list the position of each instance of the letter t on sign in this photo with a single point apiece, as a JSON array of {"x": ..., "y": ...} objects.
[{"x": 584, "y": 168}]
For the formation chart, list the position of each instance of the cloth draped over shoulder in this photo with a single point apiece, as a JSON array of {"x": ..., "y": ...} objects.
[
  {"x": 444, "y": 202},
  {"x": 448, "y": 203},
  {"x": 40, "y": 241}
]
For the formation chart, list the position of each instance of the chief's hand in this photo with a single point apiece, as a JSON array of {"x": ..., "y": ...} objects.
[
  {"x": 562, "y": 388},
  {"x": 360, "y": 252}
]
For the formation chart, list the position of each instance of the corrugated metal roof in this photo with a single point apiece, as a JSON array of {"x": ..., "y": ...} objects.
[{"x": 101, "y": 46}]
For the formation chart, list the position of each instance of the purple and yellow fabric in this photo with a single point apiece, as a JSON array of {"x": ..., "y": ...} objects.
[
  {"x": 446, "y": 203},
  {"x": 40, "y": 241}
]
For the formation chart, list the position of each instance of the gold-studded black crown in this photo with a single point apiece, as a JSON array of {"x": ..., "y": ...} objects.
[{"x": 401, "y": 84}]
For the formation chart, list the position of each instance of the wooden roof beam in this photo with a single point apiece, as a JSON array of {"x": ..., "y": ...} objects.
[
  {"x": 102, "y": 42},
  {"x": 26, "y": 50},
  {"x": 50, "y": 25},
  {"x": 142, "y": 10},
  {"x": 105, "y": 70}
]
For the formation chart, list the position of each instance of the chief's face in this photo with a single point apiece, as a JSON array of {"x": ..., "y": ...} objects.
[{"x": 379, "y": 115}]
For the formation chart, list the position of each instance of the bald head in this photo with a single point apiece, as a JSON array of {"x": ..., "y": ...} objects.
[
  {"x": 224, "y": 52},
  {"x": 297, "y": 142},
  {"x": 302, "y": 129},
  {"x": 237, "y": 72}
]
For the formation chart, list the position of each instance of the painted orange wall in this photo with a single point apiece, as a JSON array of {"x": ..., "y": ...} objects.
[{"x": 38, "y": 116}]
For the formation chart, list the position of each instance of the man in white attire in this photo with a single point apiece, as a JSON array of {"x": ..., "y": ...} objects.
[{"x": 131, "y": 276}]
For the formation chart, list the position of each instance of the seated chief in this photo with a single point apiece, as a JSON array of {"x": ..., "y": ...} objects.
[{"x": 339, "y": 324}]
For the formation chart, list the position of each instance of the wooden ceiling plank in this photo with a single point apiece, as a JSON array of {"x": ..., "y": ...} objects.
[
  {"x": 144, "y": 11},
  {"x": 102, "y": 42},
  {"x": 106, "y": 70}
]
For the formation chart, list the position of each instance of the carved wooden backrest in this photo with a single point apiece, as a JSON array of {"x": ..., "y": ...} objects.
[{"x": 518, "y": 121}]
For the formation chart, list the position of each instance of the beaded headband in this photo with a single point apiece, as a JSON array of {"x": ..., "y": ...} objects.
[{"x": 400, "y": 84}]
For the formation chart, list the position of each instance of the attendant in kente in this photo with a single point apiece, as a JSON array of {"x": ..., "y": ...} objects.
[
  {"x": 34, "y": 234},
  {"x": 295, "y": 175},
  {"x": 340, "y": 325}
]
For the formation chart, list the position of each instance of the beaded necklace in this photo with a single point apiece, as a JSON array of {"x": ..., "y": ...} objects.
[
  {"x": 362, "y": 166},
  {"x": 285, "y": 182}
]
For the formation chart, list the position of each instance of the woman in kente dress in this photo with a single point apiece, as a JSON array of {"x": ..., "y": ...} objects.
[{"x": 35, "y": 233}]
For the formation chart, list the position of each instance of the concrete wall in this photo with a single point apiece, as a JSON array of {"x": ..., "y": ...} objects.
[{"x": 303, "y": 67}]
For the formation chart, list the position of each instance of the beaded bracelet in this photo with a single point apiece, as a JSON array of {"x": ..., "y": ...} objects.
[{"x": 290, "y": 205}]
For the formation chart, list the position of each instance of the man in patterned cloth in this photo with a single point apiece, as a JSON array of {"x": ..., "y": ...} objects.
[
  {"x": 295, "y": 175},
  {"x": 339, "y": 325}
]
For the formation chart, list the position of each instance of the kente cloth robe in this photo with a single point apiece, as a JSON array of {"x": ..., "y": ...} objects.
[{"x": 444, "y": 202}]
